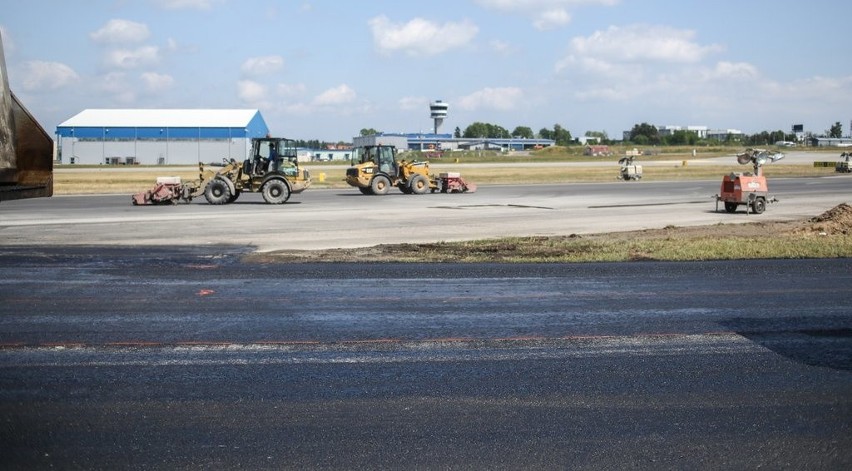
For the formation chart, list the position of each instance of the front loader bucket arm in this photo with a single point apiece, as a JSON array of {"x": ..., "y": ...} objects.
[{"x": 26, "y": 150}]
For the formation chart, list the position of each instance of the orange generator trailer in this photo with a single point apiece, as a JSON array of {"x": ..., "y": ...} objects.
[{"x": 748, "y": 189}]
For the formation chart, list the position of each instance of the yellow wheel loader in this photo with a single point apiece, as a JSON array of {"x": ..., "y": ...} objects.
[
  {"x": 272, "y": 169},
  {"x": 375, "y": 169}
]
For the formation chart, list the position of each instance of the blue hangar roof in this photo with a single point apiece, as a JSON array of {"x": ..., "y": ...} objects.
[{"x": 164, "y": 123}]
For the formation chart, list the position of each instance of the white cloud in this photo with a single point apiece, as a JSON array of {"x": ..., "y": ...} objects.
[
  {"x": 156, "y": 83},
  {"x": 117, "y": 85},
  {"x": 262, "y": 65},
  {"x": 550, "y": 19},
  {"x": 251, "y": 92},
  {"x": 642, "y": 43},
  {"x": 419, "y": 36},
  {"x": 41, "y": 75},
  {"x": 501, "y": 98},
  {"x": 121, "y": 31},
  {"x": 133, "y": 58},
  {"x": 336, "y": 96},
  {"x": 545, "y": 14}
]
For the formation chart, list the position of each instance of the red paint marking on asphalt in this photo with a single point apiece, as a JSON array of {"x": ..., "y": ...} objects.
[
  {"x": 372, "y": 341},
  {"x": 206, "y": 292},
  {"x": 288, "y": 342},
  {"x": 11, "y": 345},
  {"x": 521, "y": 339},
  {"x": 201, "y": 343}
]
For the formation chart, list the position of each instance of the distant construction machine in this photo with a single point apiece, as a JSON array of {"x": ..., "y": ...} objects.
[{"x": 26, "y": 150}]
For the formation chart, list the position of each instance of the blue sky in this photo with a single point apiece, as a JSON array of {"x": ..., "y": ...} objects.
[{"x": 325, "y": 69}]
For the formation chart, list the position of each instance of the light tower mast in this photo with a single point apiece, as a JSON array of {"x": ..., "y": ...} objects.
[{"x": 439, "y": 111}]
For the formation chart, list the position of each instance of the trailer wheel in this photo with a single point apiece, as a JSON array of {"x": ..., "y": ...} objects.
[
  {"x": 380, "y": 185},
  {"x": 275, "y": 192},
  {"x": 730, "y": 207},
  {"x": 758, "y": 206},
  {"x": 218, "y": 192},
  {"x": 419, "y": 184}
]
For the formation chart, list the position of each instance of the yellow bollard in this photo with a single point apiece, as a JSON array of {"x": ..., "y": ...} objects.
[
  {"x": 322, "y": 177},
  {"x": 683, "y": 164}
]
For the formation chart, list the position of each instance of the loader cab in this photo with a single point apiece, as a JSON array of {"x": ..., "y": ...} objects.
[
  {"x": 273, "y": 155},
  {"x": 383, "y": 157}
]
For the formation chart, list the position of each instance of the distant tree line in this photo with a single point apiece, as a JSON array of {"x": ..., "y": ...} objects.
[{"x": 641, "y": 134}]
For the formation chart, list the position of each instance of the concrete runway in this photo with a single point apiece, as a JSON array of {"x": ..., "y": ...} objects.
[{"x": 320, "y": 219}]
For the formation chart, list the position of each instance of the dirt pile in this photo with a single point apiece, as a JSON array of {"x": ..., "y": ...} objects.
[{"x": 837, "y": 220}]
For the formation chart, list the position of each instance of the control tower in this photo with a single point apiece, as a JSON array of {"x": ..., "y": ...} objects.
[{"x": 439, "y": 111}]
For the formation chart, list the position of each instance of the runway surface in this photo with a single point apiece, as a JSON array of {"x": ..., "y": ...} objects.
[{"x": 318, "y": 219}]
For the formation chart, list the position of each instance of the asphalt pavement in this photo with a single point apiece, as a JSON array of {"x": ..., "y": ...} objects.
[{"x": 183, "y": 357}]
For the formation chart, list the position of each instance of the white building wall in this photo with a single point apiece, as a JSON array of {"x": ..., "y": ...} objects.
[{"x": 153, "y": 152}]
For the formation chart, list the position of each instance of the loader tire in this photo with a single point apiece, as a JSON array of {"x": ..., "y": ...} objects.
[
  {"x": 275, "y": 192},
  {"x": 218, "y": 192},
  {"x": 418, "y": 185},
  {"x": 365, "y": 190},
  {"x": 380, "y": 185}
]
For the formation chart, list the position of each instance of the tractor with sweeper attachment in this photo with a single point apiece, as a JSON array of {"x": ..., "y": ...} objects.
[
  {"x": 272, "y": 170},
  {"x": 375, "y": 169},
  {"x": 748, "y": 189}
]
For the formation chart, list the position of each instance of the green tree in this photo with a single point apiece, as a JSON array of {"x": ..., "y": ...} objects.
[
  {"x": 369, "y": 132},
  {"x": 561, "y": 135},
  {"x": 836, "y": 130},
  {"x": 475, "y": 130},
  {"x": 545, "y": 133},
  {"x": 485, "y": 130},
  {"x": 523, "y": 132},
  {"x": 457, "y": 134},
  {"x": 648, "y": 131}
]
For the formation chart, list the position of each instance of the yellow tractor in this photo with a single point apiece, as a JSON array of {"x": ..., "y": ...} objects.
[
  {"x": 375, "y": 169},
  {"x": 272, "y": 169}
]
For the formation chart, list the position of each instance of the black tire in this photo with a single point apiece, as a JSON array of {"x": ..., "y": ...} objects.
[
  {"x": 731, "y": 207},
  {"x": 235, "y": 196},
  {"x": 758, "y": 206},
  {"x": 218, "y": 192},
  {"x": 419, "y": 184},
  {"x": 365, "y": 190},
  {"x": 275, "y": 191},
  {"x": 380, "y": 185}
]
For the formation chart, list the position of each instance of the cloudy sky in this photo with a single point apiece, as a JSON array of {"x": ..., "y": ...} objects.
[{"x": 325, "y": 69}]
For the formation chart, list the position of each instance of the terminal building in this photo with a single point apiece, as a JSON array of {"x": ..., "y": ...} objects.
[
  {"x": 435, "y": 141},
  {"x": 158, "y": 136}
]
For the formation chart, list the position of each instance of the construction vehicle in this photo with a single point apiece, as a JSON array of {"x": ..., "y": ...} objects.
[
  {"x": 375, "y": 169},
  {"x": 629, "y": 170},
  {"x": 748, "y": 189},
  {"x": 26, "y": 150},
  {"x": 845, "y": 164},
  {"x": 273, "y": 170}
]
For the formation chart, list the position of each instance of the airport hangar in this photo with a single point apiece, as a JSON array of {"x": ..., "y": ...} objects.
[
  {"x": 158, "y": 136},
  {"x": 190, "y": 136}
]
